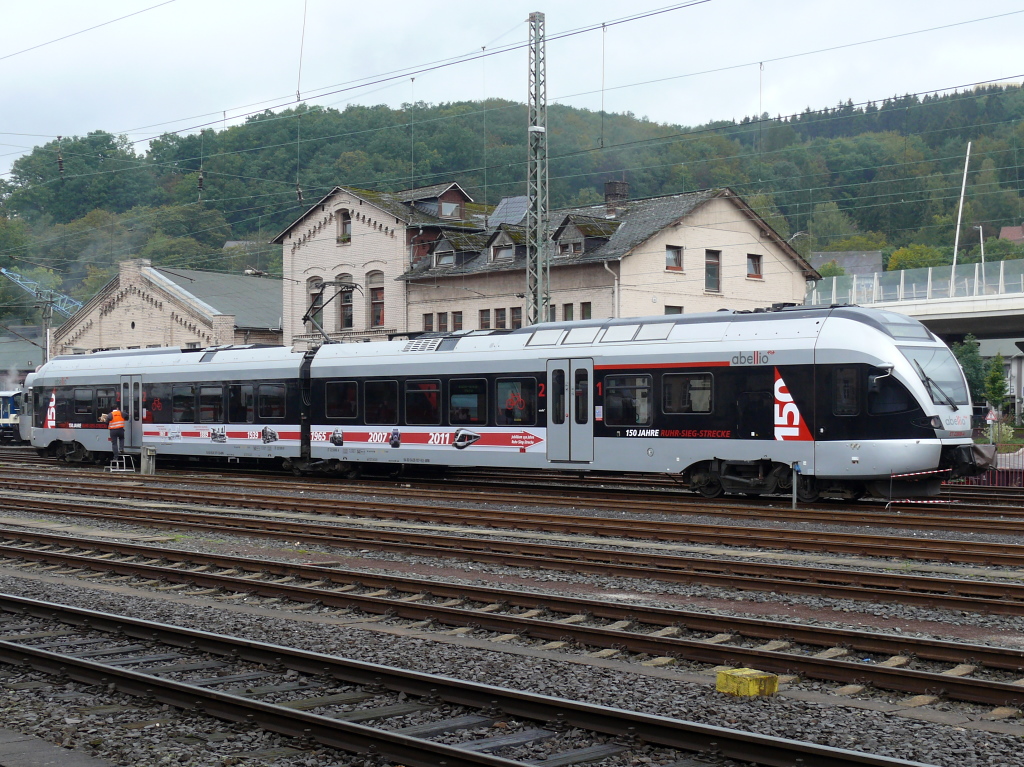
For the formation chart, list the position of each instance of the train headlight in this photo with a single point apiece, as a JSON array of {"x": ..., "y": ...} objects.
[{"x": 928, "y": 423}]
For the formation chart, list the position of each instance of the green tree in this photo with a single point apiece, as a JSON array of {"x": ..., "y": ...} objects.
[
  {"x": 831, "y": 269},
  {"x": 916, "y": 256},
  {"x": 996, "y": 387},
  {"x": 866, "y": 241},
  {"x": 829, "y": 224},
  {"x": 969, "y": 357}
]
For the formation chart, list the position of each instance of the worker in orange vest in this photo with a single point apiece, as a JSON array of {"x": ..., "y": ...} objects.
[{"x": 115, "y": 429}]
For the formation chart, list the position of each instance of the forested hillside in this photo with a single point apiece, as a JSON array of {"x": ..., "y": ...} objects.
[{"x": 876, "y": 176}]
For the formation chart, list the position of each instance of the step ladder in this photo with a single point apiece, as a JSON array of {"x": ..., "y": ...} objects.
[{"x": 122, "y": 464}]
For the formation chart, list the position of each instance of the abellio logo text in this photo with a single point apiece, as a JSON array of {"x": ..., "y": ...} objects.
[{"x": 751, "y": 358}]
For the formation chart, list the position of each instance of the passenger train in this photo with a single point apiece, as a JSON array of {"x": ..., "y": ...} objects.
[
  {"x": 846, "y": 400},
  {"x": 10, "y": 415}
]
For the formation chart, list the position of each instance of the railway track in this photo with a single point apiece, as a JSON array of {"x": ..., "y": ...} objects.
[
  {"x": 348, "y": 705},
  {"x": 999, "y": 597},
  {"x": 997, "y": 522},
  {"x": 975, "y": 673}
]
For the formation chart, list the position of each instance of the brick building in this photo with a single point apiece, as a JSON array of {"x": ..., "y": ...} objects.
[
  {"x": 146, "y": 306},
  {"x": 430, "y": 259}
]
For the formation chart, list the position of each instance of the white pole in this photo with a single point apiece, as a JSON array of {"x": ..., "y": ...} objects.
[{"x": 959, "y": 215}]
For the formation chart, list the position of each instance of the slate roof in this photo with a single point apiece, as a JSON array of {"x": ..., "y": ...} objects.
[
  {"x": 397, "y": 204},
  {"x": 588, "y": 226},
  {"x": 637, "y": 221},
  {"x": 853, "y": 261},
  {"x": 466, "y": 242},
  {"x": 428, "y": 192},
  {"x": 256, "y": 302}
]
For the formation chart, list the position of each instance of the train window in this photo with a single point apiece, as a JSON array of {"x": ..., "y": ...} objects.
[
  {"x": 341, "y": 399},
  {"x": 241, "y": 404},
  {"x": 619, "y": 333},
  {"x": 581, "y": 335},
  {"x": 83, "y": 401},
  {"x": 627, "y": 400},
  {"x": 423, "y": 403},
  {"x": 467, "y": 401},
  {"x": 891, "y": 397},
  {"x": 381, "y": 402},
  {"x": 545, "y": 337},
  {"x": 557, "y": 396},
  {"x": 845, "y": 391},
  {"x": 183, "y": 404},
  {"x": 516, "y": 403},
  {"x": 272, "y": 400},
  {"x": 211, "y": 404},
  {"x": 655, "y": 331},
  {"x": 687, "y": 393},
  {"x": 581, "y": 395},
  {"x": 105, "y": 399}
]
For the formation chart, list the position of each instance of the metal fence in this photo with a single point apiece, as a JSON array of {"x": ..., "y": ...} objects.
[
  {"x": 962, "y": 281},
  {"x": 1008, "y": 472}
]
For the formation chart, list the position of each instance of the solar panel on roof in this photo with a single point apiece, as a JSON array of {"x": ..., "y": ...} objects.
[{"x": 511, "y": 210}]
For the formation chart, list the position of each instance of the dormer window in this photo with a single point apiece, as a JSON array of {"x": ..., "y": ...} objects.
[
  {"x": 444, "y": 258},
  {"x": 570, "y": 248},
  {"x": 500, "y": 252},
  {"x": 344, "y": 227},
  {"x": 450, "y": 209}
]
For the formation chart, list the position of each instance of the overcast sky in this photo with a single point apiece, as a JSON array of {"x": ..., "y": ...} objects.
[{"x": 187, "y": 62}]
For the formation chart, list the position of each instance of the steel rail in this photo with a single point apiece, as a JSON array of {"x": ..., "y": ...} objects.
[
  {"x": 985, "y": 596},
  {"x": 935, "y": 549},
  {"x": 683, "y": 735},
  {"x": 906, "y": 680}
]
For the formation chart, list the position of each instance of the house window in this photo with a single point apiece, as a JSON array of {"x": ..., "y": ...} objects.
[
  {"x": 755, "y": 266},
  {"x": 450, "y": 209},
  {"x": 375, "y": 282},
  {"x": 551, "y": 312},
  {"x": 192, "y": 345},
  {"x": 563, "y": 248},
  {"x": 344, "y": 227},
  {"x": 517, "y": 317},
  {"x": 577, "y": 247},
  {"x": 316, "y": 303},
  {"x": 585, "y": 310},
  {"x": 499, "y": 252},
  {"x": 499, "y": 318},
  {"x": 673, "y": 309},
  {"x": 442, "y": 322},
  {"x": 444, "y": 258},
  {"x": 345, "y": 304},
  {"x": 456, "y": 320},
  {"x": 674, "y": 258},
  {"x": 713, "y": 270},
  {"x": 428, "y": 323},
  {"x": 567, "y": 312},
  {"x": 485, "y": 319}
]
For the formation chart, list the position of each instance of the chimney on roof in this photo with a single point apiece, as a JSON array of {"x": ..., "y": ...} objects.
[{"x": 615, "y": 193}]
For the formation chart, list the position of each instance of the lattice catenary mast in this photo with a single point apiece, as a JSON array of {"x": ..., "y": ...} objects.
[{"x": 538, "y": 287}]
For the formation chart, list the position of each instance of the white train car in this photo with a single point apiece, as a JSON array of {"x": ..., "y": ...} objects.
[{"x": 855, "y": 399}]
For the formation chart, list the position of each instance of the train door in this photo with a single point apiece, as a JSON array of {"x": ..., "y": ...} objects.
[
  {"x": 131, "y": 409},
  {"x": 570, "y": 430}
]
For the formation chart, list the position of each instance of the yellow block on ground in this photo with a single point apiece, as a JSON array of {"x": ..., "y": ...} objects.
[{"x": 746, "y": 682}]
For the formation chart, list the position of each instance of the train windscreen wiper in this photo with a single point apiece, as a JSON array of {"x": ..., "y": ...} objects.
[{"x": 934, "y": 387}]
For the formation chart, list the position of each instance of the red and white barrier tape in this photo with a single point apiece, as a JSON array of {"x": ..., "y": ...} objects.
[{"x": 919, "y": 473}]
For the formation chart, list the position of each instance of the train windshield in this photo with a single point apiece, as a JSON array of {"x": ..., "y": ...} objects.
[{"x": 940, "y": 373}]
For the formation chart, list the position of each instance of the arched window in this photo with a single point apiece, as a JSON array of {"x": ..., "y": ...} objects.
[
  {"x": 315, "y": 302},
  {"x": 375, "y": 294},
  {"x": 344, "y": 227},
  {"x": 345, "y": 306}
]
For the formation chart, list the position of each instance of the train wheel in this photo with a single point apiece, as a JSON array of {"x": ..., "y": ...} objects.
[
  {"x": 712, "y": 486},
  {"x": 807, "y": 489}
]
